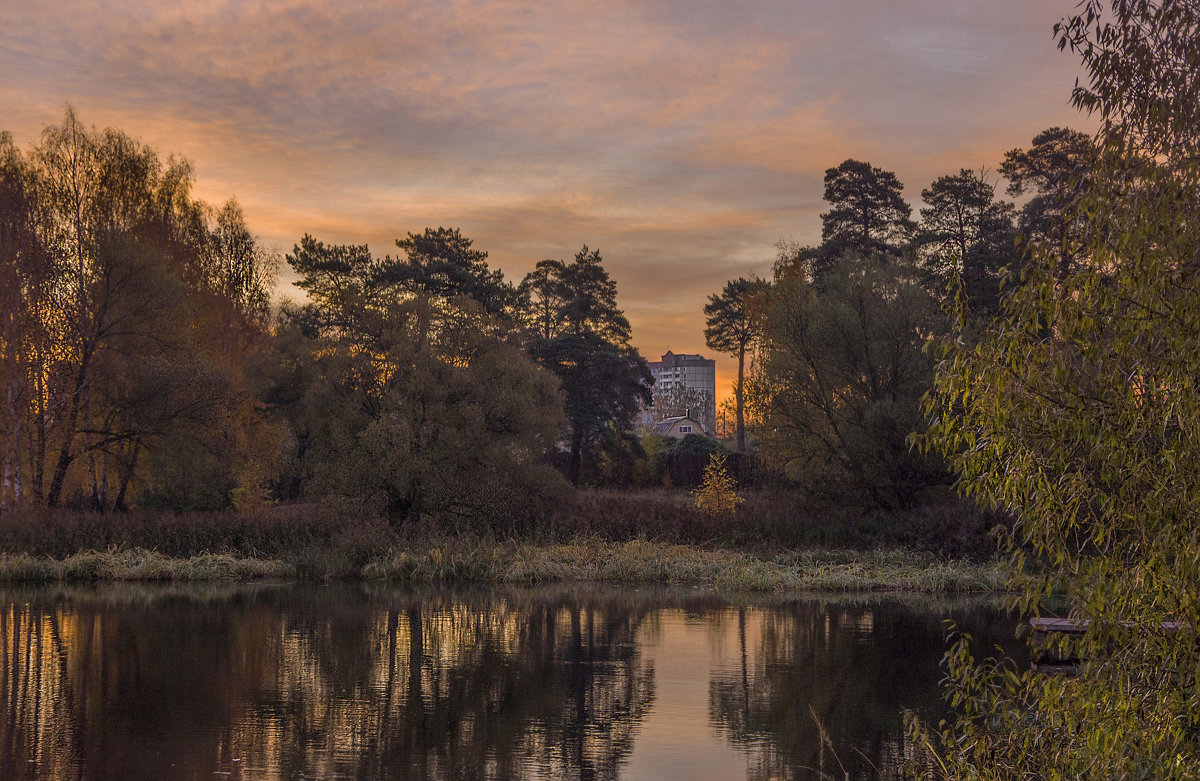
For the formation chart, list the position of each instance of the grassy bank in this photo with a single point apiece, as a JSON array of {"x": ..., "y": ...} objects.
[
  {"x": 641, "y": 561},
  {"x": 137, "y": 565},
  {"x": 487, "y": 561},
  {"x": 774, "y": 543}
]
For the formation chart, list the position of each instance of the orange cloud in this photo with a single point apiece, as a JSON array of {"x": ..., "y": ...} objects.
[{"x": 681, "y": 137}]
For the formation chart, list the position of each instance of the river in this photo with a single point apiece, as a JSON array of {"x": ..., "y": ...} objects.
[{"x": 365, "y": 681}]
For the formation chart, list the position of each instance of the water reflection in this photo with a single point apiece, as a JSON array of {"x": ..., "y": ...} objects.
[
  {"x": 848, "y": 669},
  {"x": 284, "y": 682}
]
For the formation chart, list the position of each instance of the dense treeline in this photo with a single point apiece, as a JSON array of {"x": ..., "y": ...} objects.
[
  {"x": 142, "y": 362},
  {"x": 129, "y": 309},
  {"x": 837, "y": 342}
]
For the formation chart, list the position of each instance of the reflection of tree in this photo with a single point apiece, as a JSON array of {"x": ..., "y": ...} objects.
[
  {"x": 387, "y": 683},
  {"x": 323, "y": 682},
  {"x": 855, "y": 668}
]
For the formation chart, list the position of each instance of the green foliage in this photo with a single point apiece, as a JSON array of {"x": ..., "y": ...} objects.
[
  {"x": 1077, "y": 411},
  {"x": 605, "y": 380},
  {"x": 717, "y": 495},
  {"x": 405, "y": 403},
  {"x": 842, "y": 375},
  {"x": 867, "y": 212}
]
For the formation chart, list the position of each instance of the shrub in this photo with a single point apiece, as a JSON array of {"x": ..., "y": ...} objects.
[{"x": 717, "y": 494}]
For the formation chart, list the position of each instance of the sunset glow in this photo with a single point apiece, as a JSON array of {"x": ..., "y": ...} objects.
[{"x": 682, "y": 139}]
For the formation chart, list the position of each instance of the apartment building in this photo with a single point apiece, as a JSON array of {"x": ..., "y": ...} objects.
[{"x": 677, "y": 379}]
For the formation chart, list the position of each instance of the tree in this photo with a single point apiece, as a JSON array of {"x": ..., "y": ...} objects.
[
  {"x": 125, "y": 332},
  {"x": 717, "y": 495},
  {"x": 867, "y": 212},
  {"x": 1053, "y": 169},
  {"x": 542, "y": 294},
  {"x": 734, "y": 325},
  {"x": 441, "y": 263},
  {"x": 242, "y": 270},
  {"x": 840, "y": 382},
  {"x": 1077, "y": 412},
  {"x": 394, "y": 412},
  {"x": 967, "y": 233},
  {"x": 605, "y": 380},
  {"x": 26, "y": 276}
]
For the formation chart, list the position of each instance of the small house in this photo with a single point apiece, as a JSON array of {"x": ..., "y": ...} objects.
[{"x": 680, "y": 426}]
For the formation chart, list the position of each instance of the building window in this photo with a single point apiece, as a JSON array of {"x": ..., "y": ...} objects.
[{"x": 685, "y": 429}]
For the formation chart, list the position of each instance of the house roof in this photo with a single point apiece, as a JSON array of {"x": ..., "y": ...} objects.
[{"x": 664, "y": 426}]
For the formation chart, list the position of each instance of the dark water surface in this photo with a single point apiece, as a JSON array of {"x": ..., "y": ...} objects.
[{"x": 380, "y": 682}]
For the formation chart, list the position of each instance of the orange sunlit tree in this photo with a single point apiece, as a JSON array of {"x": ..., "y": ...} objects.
[{"x": 130, "y": 307}]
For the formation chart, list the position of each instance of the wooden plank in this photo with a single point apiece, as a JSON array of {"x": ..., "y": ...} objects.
[
  {"x": 1062, "y": 660},
  {"x": 1071, "y": 626}
]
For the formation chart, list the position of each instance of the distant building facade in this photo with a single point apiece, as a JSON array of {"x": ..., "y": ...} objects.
[{"x": 684, "y": 385}]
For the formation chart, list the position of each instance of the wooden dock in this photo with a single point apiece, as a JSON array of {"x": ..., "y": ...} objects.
[{"x": 1049, "y": 631}]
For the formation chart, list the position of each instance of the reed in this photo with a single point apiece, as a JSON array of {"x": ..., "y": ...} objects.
[
  {"x": 773, "y": 542},
  {"x": 136, "y": 564},
  {"x": 642, "y": 561}
]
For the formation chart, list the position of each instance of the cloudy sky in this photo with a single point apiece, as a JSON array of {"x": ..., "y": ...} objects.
[{"x": 683, "y": 138}]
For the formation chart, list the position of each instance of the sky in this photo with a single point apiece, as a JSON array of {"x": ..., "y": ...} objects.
[{"x": 682, "y": 138}]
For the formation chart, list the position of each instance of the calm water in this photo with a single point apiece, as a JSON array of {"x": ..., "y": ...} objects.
[{"x": 365, "y": 682}]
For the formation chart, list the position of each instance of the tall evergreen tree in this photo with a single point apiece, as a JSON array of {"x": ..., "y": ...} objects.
[
  {"x": 966, "y": 231},
  {"x": 542, "y": 294},
  {"x": 867, "y": 214},
  {"x": 1054, "y": 170},
  {"x": 442, "y": 263},
  {"x": 605, "y": 380}
]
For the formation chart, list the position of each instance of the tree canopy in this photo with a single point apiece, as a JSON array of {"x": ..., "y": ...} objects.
[
  {"x": 1053, "y": 170},
  {"x": 605, "y": 380},
  {"x": 867, "y": 211},
  {"x": 1077, "y": 412},
  {"x": 390, "y": 410},
  {"x": 967, "y": 233},
  {"x": 842, "y": 373},
  {"x": 129, "y": 309}
]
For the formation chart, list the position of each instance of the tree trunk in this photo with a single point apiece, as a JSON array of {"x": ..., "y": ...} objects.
[
  {"x": 65, "y": 457},
  {"x": 60, "y": 474},
  {"x": 739, "y": 401},
  {"x": 576, "y": 455},
  {"x": 119, "y": 502}
]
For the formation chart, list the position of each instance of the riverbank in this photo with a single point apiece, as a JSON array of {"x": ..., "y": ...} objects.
[
  {"x": 634, "y": 562},
  {"x": 774, "y": 543}
]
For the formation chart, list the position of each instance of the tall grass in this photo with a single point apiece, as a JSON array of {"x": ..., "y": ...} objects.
[
  {"x": 642, "y": 561},
  {"x": 773, "y": 542},
  {"x": 137, "y": 564},
  {"x": 948, "y": 527}
]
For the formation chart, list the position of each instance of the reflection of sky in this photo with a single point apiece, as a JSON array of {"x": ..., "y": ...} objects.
[
  {"x": 677, "y": 738},
  {"x": 681, "y": 137}
]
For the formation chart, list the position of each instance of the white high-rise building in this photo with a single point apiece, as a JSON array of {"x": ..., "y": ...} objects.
[{"x": 693, "y": 372}]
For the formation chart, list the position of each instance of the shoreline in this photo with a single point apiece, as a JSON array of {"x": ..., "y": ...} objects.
[{"x": 511, "y": 563}]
